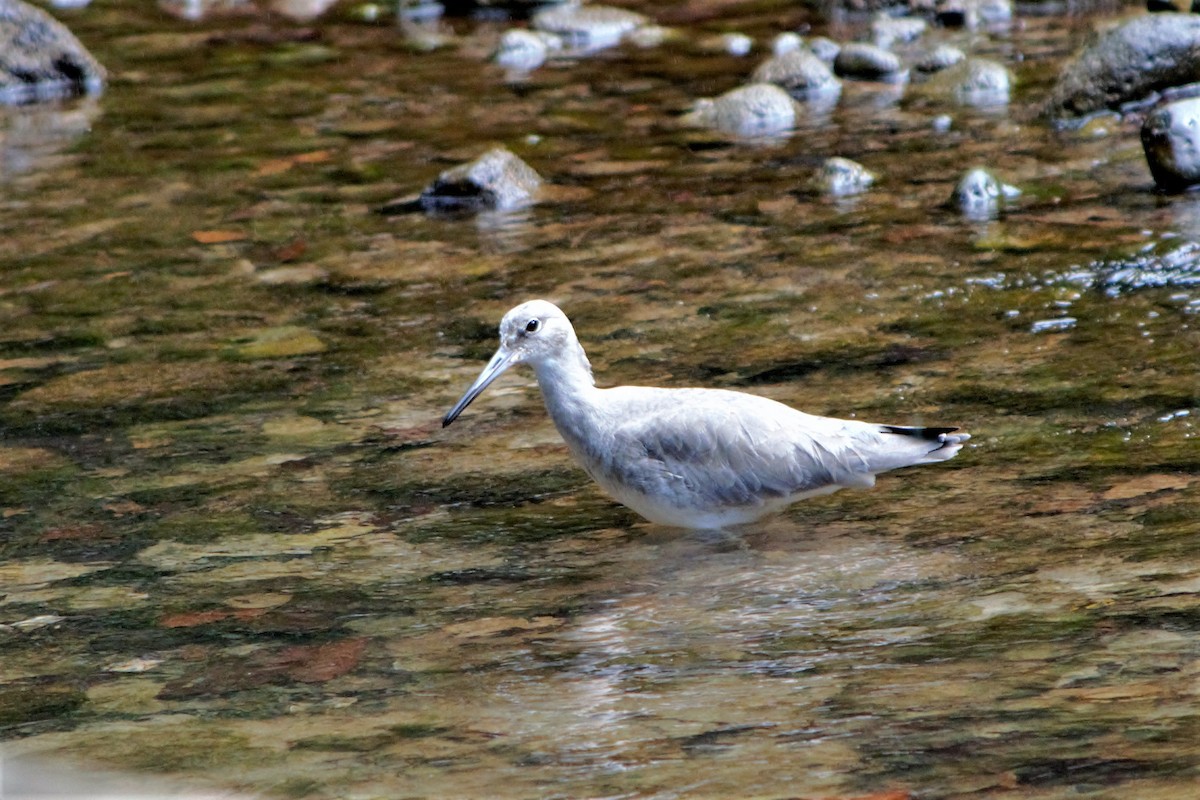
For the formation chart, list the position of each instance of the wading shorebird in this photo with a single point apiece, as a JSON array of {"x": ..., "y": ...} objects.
[{"x": 696, "y": 458}]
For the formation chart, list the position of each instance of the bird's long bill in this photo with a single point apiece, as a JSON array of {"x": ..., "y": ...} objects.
[{"x": 500, "y": 362}]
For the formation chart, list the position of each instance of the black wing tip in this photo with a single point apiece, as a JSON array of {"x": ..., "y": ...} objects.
[{"x": 932, "y": 434}]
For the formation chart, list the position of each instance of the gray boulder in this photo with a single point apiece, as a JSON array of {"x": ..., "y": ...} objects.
[
  {"x": 756, "y": 110},
  {"x": 1128, "y": 63},
  {"x": 40, "y": 59},
  {"x": 1171, "y": 139},
  {"x": 939, "y": 58},
  {"x": 798, "y": 71},
  {"x": 588, "y": 26},
  {"x": 496, "y": 181}
]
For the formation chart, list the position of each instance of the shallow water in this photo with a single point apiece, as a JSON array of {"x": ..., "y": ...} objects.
[{"x": 239, "y": 550}]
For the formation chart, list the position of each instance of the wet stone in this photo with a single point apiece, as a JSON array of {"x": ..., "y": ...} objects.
[
  {"x": 588, "y": 26},
  {"x": 1128, "y": 63},
  {"x": 980, "y": 195},
  {"x": 840, "y": 177},
  {"x": 973, "y": 13},
  {"x": 1171, "y": 141},
  {"x": 939, "y": 58},
  {"x": 824, "y": 48},
  {"x": 800, "y": 72},
  {"x": 496, "y": 181},
  {"x": 760, "y": 109},
  {"x": 867, "y": 62},
  {"x": 786, "y": 42},
  {"x": 978, "y": 82},
  {"x": 521, "y": 49},
  {"x": 40, "y": 59}
]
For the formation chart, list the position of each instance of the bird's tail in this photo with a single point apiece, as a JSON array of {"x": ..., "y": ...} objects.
[{"x": 921, "y": 445}]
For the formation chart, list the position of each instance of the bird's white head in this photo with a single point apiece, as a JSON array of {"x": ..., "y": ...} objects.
[{"x": 536, "y": 332}]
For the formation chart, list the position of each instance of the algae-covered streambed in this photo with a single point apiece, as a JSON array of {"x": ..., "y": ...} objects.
[{"x": 237, "y": 549}]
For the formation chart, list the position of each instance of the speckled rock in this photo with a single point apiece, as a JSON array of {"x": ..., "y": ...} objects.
[
  {"x": 759, "y": 109},
  {"x": 939, "y": 58},
  {"x": 496, "y": 181},
  {"x": 980, "y": 195},
  {"x": 867, "y": 62},
  {"x": 800, "y": 72},
  {"x": 40, "y": 59},
  {"x": 887, "y": 30},
  {"x": 1171, "y": 139},
  {"x": 1127, "y": 64},
  {"x": 588, "y": 26},
  {"x": 521, "y": 49},
  {"x": 840, "y": 177}
]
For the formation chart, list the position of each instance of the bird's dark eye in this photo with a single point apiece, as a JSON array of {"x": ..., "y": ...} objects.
[{"x": 533, "y": 325}]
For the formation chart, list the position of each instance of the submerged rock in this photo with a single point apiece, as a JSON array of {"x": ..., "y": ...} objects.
[
  {"x": 1128, "y": 63},
  {"x": 588, "y": 26},
  {"x": 759, "y": 109},
  {"x": 1171, "y": 140},
  {"x": 980, "y": 195},
  {"x": 887, "y": 30},
  {"x": 496, "y": 181},
  {"x": 868, "y": 62},
  {"x": 840, "y": 177},
  {"x": 979, "y": 82},
  {"x": 798, "y": 71},
  {"x": 40, "y": 59}
]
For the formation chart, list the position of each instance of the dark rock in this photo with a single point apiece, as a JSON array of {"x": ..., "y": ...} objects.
[
  {"x": 1128, "y": 63},
  {"x": 496, "y": 181},
  {"x": 798, "y": 71},
  {"x": 1171, "y": 139},
  {"x": 1158, "y": 6},
  {"x": 40, "y": 59},
  {"x": 867, "y": 62},
  {"x": 973, "y": 13}
]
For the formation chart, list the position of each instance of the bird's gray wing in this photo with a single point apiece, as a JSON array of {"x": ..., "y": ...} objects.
[{"x": 727, "y": 449}]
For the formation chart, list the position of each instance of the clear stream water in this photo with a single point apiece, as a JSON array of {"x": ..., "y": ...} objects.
[{"x": 238, "y": 549}]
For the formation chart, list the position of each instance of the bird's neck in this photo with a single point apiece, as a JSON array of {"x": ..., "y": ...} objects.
[{"x": 570, "y": 392}]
